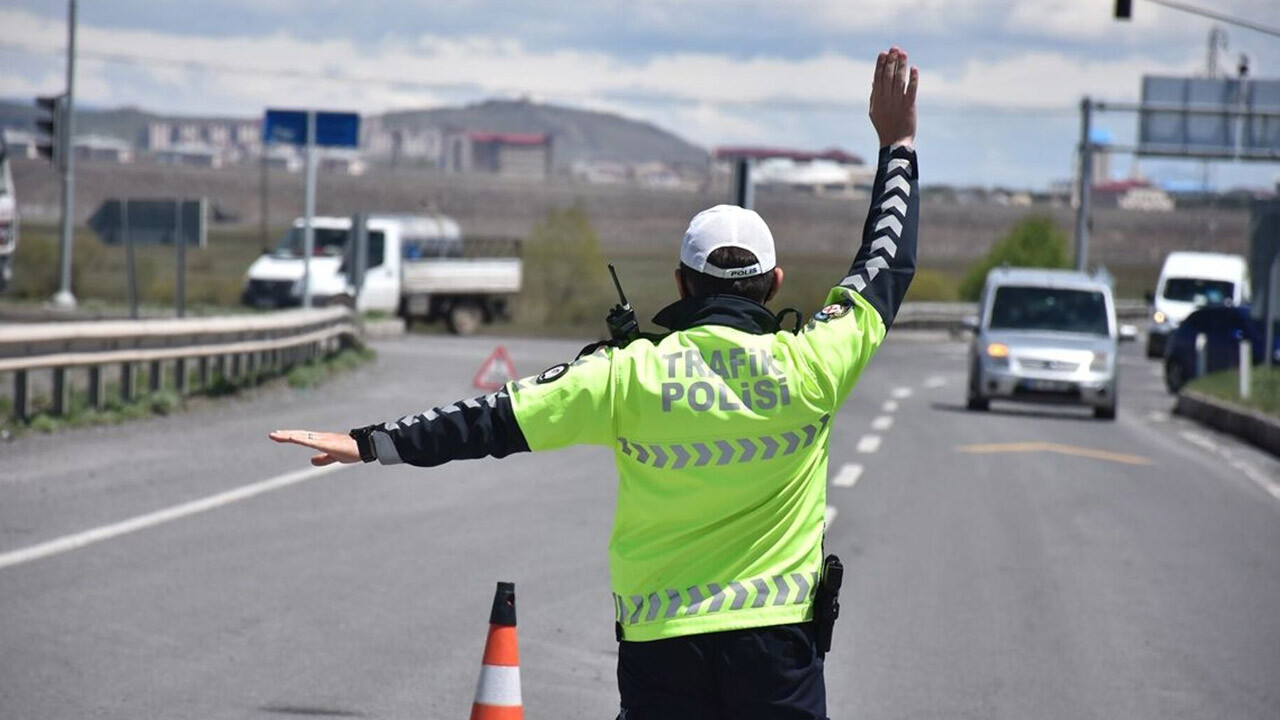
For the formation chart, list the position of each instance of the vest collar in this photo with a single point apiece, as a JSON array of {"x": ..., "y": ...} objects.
[{"x": 732, "y": 311}]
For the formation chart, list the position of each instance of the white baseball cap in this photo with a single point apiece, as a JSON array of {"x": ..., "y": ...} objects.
[{"x": 728, "y": 226}]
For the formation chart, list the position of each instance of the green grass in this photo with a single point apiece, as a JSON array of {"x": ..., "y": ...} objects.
[{"x": 1264, "y": 394}]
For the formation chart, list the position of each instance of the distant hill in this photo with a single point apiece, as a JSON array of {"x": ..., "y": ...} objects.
[{"x": 577, "y": 134}]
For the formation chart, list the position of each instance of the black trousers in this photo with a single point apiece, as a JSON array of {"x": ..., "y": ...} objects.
[{"x": 768, "y": 673}]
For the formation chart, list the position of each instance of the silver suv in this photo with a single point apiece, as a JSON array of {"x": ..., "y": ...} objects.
[{"x": 1045, "y": 336}]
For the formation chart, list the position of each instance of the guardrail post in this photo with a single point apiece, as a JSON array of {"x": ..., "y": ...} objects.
[
  {"x": 202, "y": 366},
  {"x": 59, "y": 391},
  {"x": 95, "y": 387},
  {"x": 235, "y": 366},
  {"x": 1246, "y": 367},
  {"x": 251, "y": 363},
  {"x": 126, "y": 382},
  {"x": 20, "y": 388},
  {"x": 156, "y": 378},
  {"x": 180, "y": 375}
]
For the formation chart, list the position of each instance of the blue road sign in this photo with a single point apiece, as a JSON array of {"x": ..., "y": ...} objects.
[{"x": 332, "y": 129}]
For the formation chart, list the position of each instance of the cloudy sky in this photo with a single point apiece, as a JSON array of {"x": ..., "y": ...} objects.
[{"x": 1001, "y": 80}]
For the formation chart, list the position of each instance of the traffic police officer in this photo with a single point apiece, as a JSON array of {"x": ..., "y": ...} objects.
[{"x": 720, "y": 431}]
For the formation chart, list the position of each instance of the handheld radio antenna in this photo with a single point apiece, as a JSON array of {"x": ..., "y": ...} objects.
[{"x": 622, "y": 297}]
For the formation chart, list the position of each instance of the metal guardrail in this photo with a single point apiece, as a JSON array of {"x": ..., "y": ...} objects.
[
  {"x": 224, "y": 347},
  {"x": 949, "y": 315}
]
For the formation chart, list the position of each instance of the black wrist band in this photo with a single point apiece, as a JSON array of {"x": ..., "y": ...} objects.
[{"x": 364, "y": 441}]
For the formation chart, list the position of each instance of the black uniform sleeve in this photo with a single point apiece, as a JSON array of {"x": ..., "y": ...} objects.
[
  {"x": 886, "y": 260},
  {"x": 469, "y": 429}
]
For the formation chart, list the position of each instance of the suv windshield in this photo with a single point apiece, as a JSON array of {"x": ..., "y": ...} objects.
[
  {"x": 1039, "y": 308},
  {"x": 1199, "y": 291},
  {"x": 328, "y": 242}
]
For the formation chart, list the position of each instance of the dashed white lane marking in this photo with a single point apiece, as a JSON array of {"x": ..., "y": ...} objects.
[
  {"x": 848, "y": 475},
  {"x": 936, "y": 381},
  {"x": 869, "y": 444},
  {"x": 159, "y": 517},
  {"x": 902, "y": 393},
  {"x": 889, "y": 406},
  {"x": 882, "y": 423},
  {"x": 831, "y": 514}
]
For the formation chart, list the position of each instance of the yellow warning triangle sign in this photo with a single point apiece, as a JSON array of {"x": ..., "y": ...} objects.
[{"x": 496, "y": 371}]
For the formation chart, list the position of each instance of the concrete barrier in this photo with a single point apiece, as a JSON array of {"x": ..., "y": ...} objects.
[{"x": 1252, "y": 426}]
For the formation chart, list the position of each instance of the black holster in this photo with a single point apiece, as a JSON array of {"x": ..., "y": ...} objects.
[{"x": 826, "y": 602}]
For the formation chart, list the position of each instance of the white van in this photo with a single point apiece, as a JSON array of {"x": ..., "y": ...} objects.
[{"x": 1187, "y": 281}]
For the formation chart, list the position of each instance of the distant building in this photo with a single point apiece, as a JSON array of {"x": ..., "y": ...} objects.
[
  {"x": 341, "y": 160},
  {"x": 514, "y": 155},
  {"x": 102, "y": 148},
  {"x": 283, "y": 157},
  {"x": 1135, "y": 194},
  {"x": 827, "y": 172},
  {"x": 190, "y": 155},
  {"x": 20, "y": 144},
  {"x": 401, "y": 145},
  {"x": 233, "y": 140}
]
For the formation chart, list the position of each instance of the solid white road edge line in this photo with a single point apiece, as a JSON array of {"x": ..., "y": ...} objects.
[
  {"x": 882, "y": 423},
  {"x": 848, "y": 475},
  {"x": 159, "y": 517},
  {"x": 869, "y": 444}
]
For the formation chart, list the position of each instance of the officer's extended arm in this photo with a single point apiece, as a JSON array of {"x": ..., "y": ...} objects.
[{"x": 468, "y": 429}]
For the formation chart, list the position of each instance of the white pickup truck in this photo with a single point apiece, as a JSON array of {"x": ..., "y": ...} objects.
[{"x": 418, "y": 266}]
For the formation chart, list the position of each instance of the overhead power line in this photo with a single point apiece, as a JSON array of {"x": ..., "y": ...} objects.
[{"x": 776, "y": 103}]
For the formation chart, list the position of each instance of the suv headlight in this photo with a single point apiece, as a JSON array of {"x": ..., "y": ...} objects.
[
  {"x": 1158, "y": 317},
  {"x": 997, "y": 354},
  {"x": 1100, "y": 362}
]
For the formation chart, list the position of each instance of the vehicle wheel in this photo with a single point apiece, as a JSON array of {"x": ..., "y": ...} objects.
[
  {"x": 465, "y": 318},
  {"x": 1175, "y": 376},
  {"x": 1153, "y": 352},
  {"x": 1107, "y": 412},
  {"x": 975, "y": 400}
]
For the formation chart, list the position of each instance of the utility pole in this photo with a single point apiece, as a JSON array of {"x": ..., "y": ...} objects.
[
  {"x": 63, "y": 298},
  {"x": 1086, "y": 184}
]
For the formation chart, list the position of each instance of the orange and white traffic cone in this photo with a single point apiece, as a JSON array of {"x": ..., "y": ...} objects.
[{"x": 498, "y": 691}]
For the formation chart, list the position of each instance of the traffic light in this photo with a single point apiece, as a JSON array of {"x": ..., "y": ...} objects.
[
  {"x": 50, "y": 127},
  {"x": 1124, "y": 9}
]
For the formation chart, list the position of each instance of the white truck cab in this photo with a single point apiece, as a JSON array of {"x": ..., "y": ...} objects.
[
  {"x": 274, "y": 280},
  {"x": 1187, "y": 281}
]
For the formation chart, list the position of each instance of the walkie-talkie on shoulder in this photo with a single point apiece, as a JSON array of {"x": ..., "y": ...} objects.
[{"x": 621, "y": 319}]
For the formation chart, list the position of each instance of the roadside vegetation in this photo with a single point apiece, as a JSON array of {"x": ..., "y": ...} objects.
[
  {"x": 1264, "y": 392},
  {"x": 167, "y": 400},
  {"x": 1036, "y": 241}
]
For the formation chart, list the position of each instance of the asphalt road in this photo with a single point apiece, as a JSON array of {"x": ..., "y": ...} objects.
[{"x": 1062, "y": 568}]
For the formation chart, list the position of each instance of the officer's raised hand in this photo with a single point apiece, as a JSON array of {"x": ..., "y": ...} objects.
[{"x": 893, "y": 99}]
